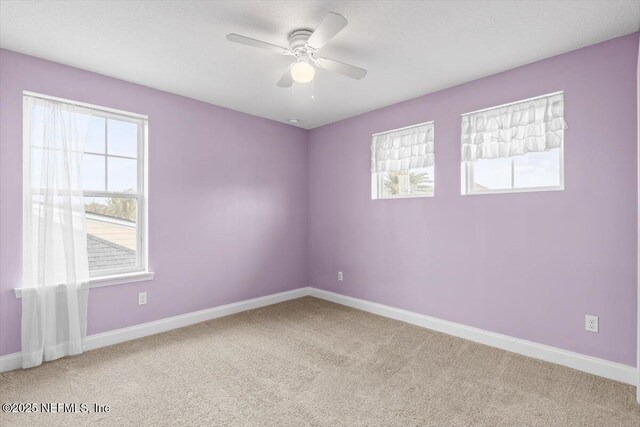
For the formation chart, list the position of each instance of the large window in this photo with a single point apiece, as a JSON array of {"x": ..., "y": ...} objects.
[
  {"x": 514, "y": 148},
  {"x": 402, "y": 163},
  {"x": 113, "y": 186}
]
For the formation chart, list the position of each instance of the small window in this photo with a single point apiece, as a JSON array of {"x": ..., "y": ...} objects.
[
  {"x": 402, "y": 163},
  {"x": 113, "y": 186},
  {"x": 514, "y": 148}
]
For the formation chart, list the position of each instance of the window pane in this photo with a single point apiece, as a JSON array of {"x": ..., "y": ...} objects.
[
  {"x": 123, "y": 175},
  {"x": 412, "y": 182},
  {"x": 537, "y": 169},
  {"x": 123, "y": 138},
  {"x": 111, "y": 233},
  {"x": 36, "y": 167},
  {"x": 95, "y": 135},
  {"x": 491, "y": 174},
  {"x": 93, "y": 172},
  {"x": 37, "y": 126}
]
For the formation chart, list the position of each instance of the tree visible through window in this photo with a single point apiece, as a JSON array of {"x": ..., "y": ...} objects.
[
  {"x": 407, "y": 182},
  {"x": 114, "y": 207}
]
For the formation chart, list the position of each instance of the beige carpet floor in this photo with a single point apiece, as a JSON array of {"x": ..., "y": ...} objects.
[{"x": 311, "y": 362}]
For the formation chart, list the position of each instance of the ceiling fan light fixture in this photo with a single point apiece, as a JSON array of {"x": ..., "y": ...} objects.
[{"x": 302, "y": 72}]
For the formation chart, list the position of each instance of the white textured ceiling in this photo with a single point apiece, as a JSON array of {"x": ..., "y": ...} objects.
[{"x": 409, "y": 47}]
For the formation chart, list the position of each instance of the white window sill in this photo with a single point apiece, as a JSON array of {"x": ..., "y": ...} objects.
[
  {"x": 514, "y": 190},
  {"x": 404, "y": 196},
  {"x": 116, "y": 279}
]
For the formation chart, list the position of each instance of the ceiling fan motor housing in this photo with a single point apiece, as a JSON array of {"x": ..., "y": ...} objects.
[{"x": 298, "y": 42}]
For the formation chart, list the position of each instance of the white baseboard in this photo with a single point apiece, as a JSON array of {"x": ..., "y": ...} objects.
[
  {"x": 13, "y": 361},
  {"x": 9, "y": 362},
  {"x": 592, "y": 365}
]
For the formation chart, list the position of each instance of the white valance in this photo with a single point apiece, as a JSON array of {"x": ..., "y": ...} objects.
[
  {"x": 403, "y": 149},
  {"x": 513, "y": 130}
]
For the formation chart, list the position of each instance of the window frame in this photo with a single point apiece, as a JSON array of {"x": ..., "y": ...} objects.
[
  {"x": 377, "y": 178},
  {"x": 140, "y": 271},
  {"x": 466, "y": 174},
  {"x": 466, "y": 168},
  {"x": 139, "y": 195}
]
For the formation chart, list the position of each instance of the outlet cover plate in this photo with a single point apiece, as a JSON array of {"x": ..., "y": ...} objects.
[{"x": 591, "y": 323}]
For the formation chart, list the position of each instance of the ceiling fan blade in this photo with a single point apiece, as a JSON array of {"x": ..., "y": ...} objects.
[
  {"x": 236, "y": 38},
  {"x": 328, "y": 28},
  {"x": 341, "y": 68},
  {"x": 286, "y": 80}
]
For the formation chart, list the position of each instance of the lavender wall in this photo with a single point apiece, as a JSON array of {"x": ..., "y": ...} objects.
[
  {"x": 227, "y": 211},
  {"x": 528, "y": 265}
]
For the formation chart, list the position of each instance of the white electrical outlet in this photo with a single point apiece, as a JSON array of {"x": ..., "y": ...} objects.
[
  {"x": 340, "y": 276},
  {"x": 591, "y": 323},
  {"x": 142, "y": 298}
]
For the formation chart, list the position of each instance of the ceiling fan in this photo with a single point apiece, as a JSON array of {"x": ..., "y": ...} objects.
[{"x": 304, "y": 45}]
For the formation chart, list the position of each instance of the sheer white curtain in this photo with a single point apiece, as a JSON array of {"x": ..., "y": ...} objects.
[
  {"x": 56, "y": 268},
  {"x": 513, "y": 130}
]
